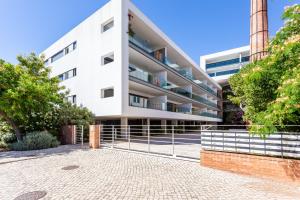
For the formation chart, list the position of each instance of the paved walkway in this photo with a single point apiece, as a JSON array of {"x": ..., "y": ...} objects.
[{"x": 113, "y": 174}]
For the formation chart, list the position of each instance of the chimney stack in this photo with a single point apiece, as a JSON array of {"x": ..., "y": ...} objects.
[{"x": 259, "y": 35}]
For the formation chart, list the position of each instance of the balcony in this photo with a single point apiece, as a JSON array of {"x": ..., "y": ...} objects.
[
  {"x": 206, "y": 114},
  {"x": 147, "y": 77},
  {"x": 145, "y": 103},
  {"x": 145, "y": 47},
  {"x": 203, "y": 100},
  {"x": 171, "y": 107},
  {"x": 181, "y": 92}
]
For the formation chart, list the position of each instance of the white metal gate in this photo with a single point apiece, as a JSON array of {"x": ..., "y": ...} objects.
[
  {"x": 175, "y": 141},
  {"x": 79, "y": 134}
]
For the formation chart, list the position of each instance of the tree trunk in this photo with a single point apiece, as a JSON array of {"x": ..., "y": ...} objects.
[{"x": 13, "y": 125}]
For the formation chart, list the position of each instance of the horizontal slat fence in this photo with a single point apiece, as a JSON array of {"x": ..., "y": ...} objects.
[{"x": 278, "y": 144}]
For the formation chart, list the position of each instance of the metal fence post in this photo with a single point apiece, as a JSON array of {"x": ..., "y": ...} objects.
[
  {"x": 75, "y": 134},
  {"x": 81, "y": 135},
  {"x": 173, "y": 142},
  {"x": 281, "y": 143},
  {"x": 223, "y": 141},
  {"x": 113, "y": 136},
  {"x": 100, "y": 127},
  {"x": 265, "y": 146},
  {"x": 148, "y": 138},
  {"x": 129, "y": 137},
  {"x": 249, "y": 143},
  {"x": 235, "y": 141}
]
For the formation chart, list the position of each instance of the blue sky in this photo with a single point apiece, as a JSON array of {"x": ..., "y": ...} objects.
[{"x": 198, "y": 26}]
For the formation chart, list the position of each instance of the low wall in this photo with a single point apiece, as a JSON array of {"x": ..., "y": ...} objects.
[
  {"x": 68, "y": 135},
  {"x": 259, "y": 166}
]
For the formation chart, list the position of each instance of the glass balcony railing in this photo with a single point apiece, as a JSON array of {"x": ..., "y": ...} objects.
[
  {"x": 145, "y": 76},
  {"x": 181, "y": 92},
  {"x": 206, "y": 114},
  {"x": 208, "y": 89},
  {"x": 136, "y": 101},
  {"x": 143, "y": 45},
  {"x": 175, "y": 108},
  {"x": 205, "y": 101},
  {"x": 148, "y": 105}
]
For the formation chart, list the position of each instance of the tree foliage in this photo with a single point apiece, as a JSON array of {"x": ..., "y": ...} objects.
[
  {"x": 30, "y": 100},
  {"x": 269, "y": 90}
]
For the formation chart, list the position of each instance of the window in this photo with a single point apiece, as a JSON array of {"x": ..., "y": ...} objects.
[
  {"x": 108, "y": 25},
  {"x": 57, "y": 56},
  {"x": 46, "y": 62},
  {"x": 108, "y": 59},
  {"x": 108, "y": 92},
  {"x": 69, "y": 74},
  {"x": 70, "y": 48},
  {"x": 136, "y": 99},
  {"x": 246, "y": 59},
  {"x": 222, "y": 63},
  {"x": 72, "y": 99},
  {"x": 63, "y": 52},
  {"x": 233, "y": 71},
  {"x": 61, "y": 77},
  {"x": 212, "y": 74}
]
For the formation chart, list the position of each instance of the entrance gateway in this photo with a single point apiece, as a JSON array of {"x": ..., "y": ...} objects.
[{"x": 179, "y": 140}]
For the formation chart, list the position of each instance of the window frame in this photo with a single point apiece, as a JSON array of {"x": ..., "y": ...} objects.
[
  {"x": 103, "y": 92},
  {"x": 104, "y": 62},
  {"x": 103, "y": 30}
]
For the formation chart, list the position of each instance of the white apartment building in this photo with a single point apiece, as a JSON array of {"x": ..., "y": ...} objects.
[
  {"x": 221, "y": 65},
  {"x": 126, "y": 71}
]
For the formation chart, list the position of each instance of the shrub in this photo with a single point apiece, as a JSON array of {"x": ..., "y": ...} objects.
[
  {"x": 3, "y": 145},
  {"x": 34, "y": 141},
  {"x": 7, "y": 137}
]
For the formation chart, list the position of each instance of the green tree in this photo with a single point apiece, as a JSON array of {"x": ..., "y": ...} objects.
[
  {"x": 26, "y": 92},
  {"x": 268, "y": 90}
]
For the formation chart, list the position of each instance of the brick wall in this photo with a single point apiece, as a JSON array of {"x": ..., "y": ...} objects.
[
  {"x": 260, "y": 166},
  {"x": 68, "y": 134},
  {"x": 94, "y": 139}
]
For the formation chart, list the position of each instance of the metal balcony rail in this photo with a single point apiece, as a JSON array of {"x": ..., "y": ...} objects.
[{"x": 281, "y": 144}]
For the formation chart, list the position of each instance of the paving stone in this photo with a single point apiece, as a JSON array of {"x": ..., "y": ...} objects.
[{"x": 114, "y": 174}]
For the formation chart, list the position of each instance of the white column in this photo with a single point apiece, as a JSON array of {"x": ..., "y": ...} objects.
[
  {"x": 145, "y": 126},
  {"x": 124, "y": 125}
]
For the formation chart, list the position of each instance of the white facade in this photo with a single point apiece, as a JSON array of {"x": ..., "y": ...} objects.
[
  {"x": 221, "y": 65},
  {"x": 164, "y": 85}
]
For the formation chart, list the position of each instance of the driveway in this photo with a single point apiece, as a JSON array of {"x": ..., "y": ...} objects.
[{"x": 69, "y": 172}]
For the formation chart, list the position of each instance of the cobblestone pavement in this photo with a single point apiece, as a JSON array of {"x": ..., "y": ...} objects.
[{"x": 114, "y": 174}]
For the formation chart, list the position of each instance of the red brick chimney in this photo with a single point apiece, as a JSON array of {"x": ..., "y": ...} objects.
[{"x": 259, "y": 35}]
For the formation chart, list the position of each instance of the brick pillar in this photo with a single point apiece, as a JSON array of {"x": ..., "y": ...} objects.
[
  {"x": 94, "y": 140},
  {"x": 258, "y": 29},
  {"x": 68, "y": 134}
]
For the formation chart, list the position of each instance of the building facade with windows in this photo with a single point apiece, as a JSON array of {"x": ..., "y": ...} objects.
[
  {"x": 220, "y": 66},
  {"x": 123, "y": 68}
]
